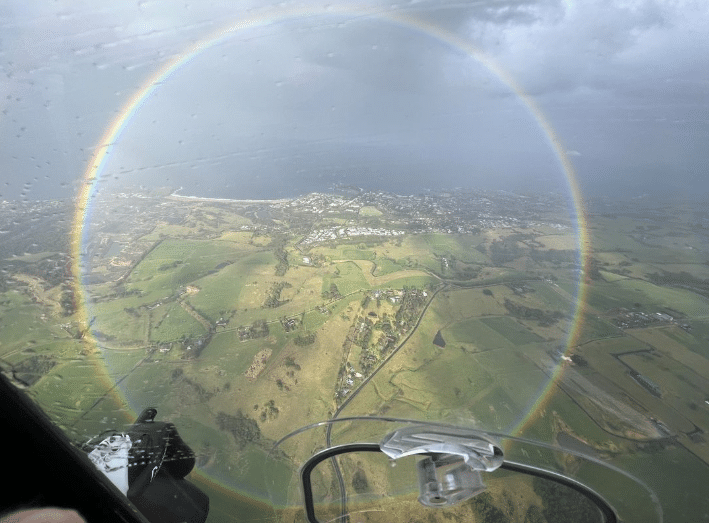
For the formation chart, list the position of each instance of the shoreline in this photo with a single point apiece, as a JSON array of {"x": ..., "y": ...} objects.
[{"x": 223, "y": 200}]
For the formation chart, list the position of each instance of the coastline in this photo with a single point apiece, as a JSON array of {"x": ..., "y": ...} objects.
[{"x": 223, "y": 200}]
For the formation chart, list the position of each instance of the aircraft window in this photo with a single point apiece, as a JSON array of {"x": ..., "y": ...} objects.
[{"x": 220, "y": 225}]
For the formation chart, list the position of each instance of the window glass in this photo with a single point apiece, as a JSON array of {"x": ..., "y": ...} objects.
[{"x": 257, "y": 217}]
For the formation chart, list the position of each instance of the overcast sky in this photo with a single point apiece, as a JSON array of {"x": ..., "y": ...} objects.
[{"x": 305, "y": 102}]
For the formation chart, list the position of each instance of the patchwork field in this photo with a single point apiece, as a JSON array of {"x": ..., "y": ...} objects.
[{"x": 240, "y": 331}]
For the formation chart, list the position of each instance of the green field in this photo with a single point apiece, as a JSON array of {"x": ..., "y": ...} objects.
[
  {"x": 594, "y": 328},
  {"x": 477, "y": 334},
  {"x": 387, "y": 266},
  {"x": 348, "y": 278},
  {"x": 460, "y": 246},
  {"x": 21, "y": 324},
  {"x": 492, "y": 370},
  {"x": 510, "y": 329},
  {"x": 175, "y": 263},
  {"x": 173, "y": 323},
  {"x": 358, "y": 254},
  {"x": 221, "y": 292}
]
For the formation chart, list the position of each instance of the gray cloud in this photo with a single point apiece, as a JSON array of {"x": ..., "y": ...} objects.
[{"x": 623, "y": 83}]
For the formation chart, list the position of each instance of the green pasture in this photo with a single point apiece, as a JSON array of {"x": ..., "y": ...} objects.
[
  {"x": 61, "y": 349},
  {"x": 174, "y": 323},
  {"x": 234, "y": 356},
  {"x": 458, "y": 304},
  {"x": 557, "y": 402},
  {"x": 495, "y": 410},
  {"x": 681, "y": 488},
  {"x": 420, "y": 282},
  {"x": 228, "y": 506},
  {"x": 697, "y": 340},
  {"x": 149, "y": 385},
  {"x": 122, "y": 328},
  {"x": 425, "y": 261},
  {"x": 612, "y": 258},
  {"x": 315, "y": 319},
  {"x": 605, "y": 347},
  {"x": 118, "y": 363},
  {"x": 233, "y": 219},
  {"x": 681, "y": 386},
  {"x": 386, "y": 266},
  {"x": 462, "y": 246},
  {"x": 22, "y": 325},
  {"x": 230, "y": 354},
  {"x": 426, "y": 382},
  {"x": 192, "y": 259},
  {"x": 503, "y": 362},
  {"x": 626, "y": 293},
  {"x": 69, "y": 390},
  {"x": 219, "y": 292},
  {"x": 347, "y": 276},
  {"x": 458, "y": 376},
  {"x": 513, "y": 331},
  {"x": 698, "y": 270},
  {"x": 611, "y": 277},
  {"x": 594, "y": 328},
  {"x": 611, "y": 234},
  {"x": 545, "y": 299},
  {"x": 681, "y": 300},
  {"x": 570, "y": 288},
  {"x": 553, "y": 297},
  {"x": 604, "y": 296},
  {"x": 358, "y": 254},
  {"x": 173, "y": 231},
  {"x": 494, "y": 276},
  {"x": 475, "y": 332},
  {"x": 614, "y": 235}
]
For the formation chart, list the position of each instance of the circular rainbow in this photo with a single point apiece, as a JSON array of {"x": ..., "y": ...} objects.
[{"x": 132, "y": 107}]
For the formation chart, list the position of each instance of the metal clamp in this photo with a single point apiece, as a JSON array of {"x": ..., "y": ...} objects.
[{"x": 453, "y": 459}]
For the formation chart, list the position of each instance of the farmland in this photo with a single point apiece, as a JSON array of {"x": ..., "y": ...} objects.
[{"x": 219, "y": 315}]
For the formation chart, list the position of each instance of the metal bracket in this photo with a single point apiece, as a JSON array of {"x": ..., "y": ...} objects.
[{"x": 453, "y": 459}]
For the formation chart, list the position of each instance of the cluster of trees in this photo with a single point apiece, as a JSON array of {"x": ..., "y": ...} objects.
[
  {"x": 364, "y": 332},
  {"x": 243, "y": 428},
  {"x": 483, "y": 505},
  {"x": 168, "y": 266},
  {"x": 544, "y": 318},
  {"x": 304, "y": 339},
  {"x": 194, "y": 346},
  {"x": 682, "y": 279},
  {"x": 30, "y": 370},
  {"x": 359, "y": 481},
  {"x": 67, "y": 301},
  {"x": 561, "y": 504},
  {"x": 270, "y": 411},
  {"x": 412, "y": 302},
  {"x": 505, "y": 250},
  {"x": 273, "y": 298},
  {"x": 281, "y": 255},
  {"x": 290, "y": 362},
  {"x": 178, "y": 378},
  {"x": 290, "y": 324},
  {"x": 333, "y": 293},
  {"x": 259, "y": 329}
]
